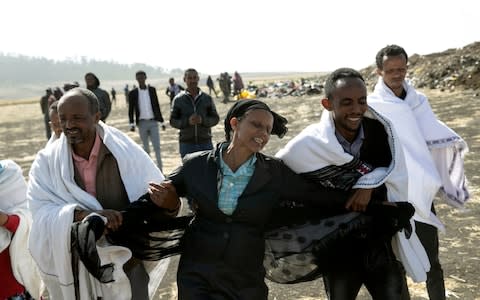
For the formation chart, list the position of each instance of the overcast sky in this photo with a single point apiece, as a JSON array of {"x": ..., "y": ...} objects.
[{"x": 243, "y": 35}]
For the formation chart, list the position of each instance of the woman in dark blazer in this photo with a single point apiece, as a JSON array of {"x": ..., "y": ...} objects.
[{"x": 233, "y": 190}]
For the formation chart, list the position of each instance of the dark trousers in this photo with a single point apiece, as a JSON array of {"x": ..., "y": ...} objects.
[
  {"x": 138, "y": 276},
  {"x": 218, "y": 281},
  {"x": 428, "y": 236},
  {"x": 372, "y": 264}
]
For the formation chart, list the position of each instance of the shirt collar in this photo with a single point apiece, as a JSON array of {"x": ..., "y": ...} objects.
[
  {"x": 93, "y": 153},
  {"x": 360, "y": 137},
  {"x": 242, "y": 170}
]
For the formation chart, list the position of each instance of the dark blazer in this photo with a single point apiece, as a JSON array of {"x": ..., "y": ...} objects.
[
  {"x": 133, "y": 105},
  {"x": 237, "y": 241}
]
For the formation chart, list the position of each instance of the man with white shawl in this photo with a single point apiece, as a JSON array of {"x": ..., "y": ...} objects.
[
  {"x": 355, "y": 138},
  {"x": 19, "y": 273},
  {"x": 434, "y": 153},
  {"x": 92, "y": 168}
]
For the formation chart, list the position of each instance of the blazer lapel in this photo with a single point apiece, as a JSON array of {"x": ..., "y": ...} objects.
[{"x": 260, "y": 176}]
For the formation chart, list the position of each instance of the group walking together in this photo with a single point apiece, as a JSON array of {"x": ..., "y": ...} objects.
[{"x": 349, "y": 199}]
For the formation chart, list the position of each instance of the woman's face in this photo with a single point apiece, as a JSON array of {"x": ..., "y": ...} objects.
[{"x": 253, "y": 129}]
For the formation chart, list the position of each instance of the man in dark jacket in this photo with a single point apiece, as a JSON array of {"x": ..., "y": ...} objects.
[
  {"x": 143, "y": 102},
  {"x": 194, "y": 113}
]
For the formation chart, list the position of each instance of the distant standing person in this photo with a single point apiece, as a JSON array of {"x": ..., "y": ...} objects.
[
  {"x": 237, "y": 83},
  {"x": 173, "y": 89},
  {"x": 44, "y": 106},
  {"x": 92, "y": 82},
  {"x": 126, "y": 90},
  {"x": 225, "y": 85},
  {"x": 113, "y": 92},
  {"x": 145, "y": 108},
  {"x": 211, "y": 86},
  {"x": 194, "y": 113}
]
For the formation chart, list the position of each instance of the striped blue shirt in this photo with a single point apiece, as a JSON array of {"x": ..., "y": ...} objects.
[{"x": 233, "y": 183}]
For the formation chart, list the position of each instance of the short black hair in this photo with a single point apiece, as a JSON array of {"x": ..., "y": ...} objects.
[
  {"x": 140, "y": 72},
  {"x": 330, "y": 83},
  {"x": 390, "y": 50},
  {"x": 89, "y": 95},
  {"x": 188, "y": 71}
]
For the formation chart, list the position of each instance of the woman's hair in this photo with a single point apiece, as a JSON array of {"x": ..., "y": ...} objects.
[{"x": 240, "y": 108}]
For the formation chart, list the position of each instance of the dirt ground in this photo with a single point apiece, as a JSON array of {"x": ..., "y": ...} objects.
[{"x": 22, "y": 135}]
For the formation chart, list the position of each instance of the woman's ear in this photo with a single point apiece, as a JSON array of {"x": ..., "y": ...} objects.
[
  {"x": 327, "y": 104},
  {"x": 234, "y": 123}
]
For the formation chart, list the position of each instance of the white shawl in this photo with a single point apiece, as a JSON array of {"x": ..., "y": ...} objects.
[
  {"x": 53, "y": 195},
  {"x": 13, "y": 200},
  {"x": 317, "y": 147},
  {"x": 434, "y": 153}
]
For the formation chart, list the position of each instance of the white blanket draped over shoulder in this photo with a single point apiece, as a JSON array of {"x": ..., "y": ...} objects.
[
  {"x": 53, "y": 195},
  {"x": 434, "y": 153},
  {"x": 13, "y": 200},
  {"x": 317, "y": 147}
]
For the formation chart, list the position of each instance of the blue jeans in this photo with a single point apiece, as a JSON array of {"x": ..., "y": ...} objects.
[
  {"x": 186, "y": 148},
  {"x": 149, "y": 129}
]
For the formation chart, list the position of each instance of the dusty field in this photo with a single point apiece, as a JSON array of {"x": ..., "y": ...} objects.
[{"x": 22, "y": 135}]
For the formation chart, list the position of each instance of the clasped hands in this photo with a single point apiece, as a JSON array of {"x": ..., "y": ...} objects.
[
  {"x": 195, "y": 119},
  {"x": 164, "y": 195}
]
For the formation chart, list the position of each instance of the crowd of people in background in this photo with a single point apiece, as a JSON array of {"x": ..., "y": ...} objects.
[{"x": 92, "y": 180}]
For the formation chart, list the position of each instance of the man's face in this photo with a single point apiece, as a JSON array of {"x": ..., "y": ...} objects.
[
  {"x": 90, "y": 81},
  {"x": 191, "y": 80},
  {"x": 394, "y": 71},
  {"x": 77, "y": 122},
  {"x": 141, "y": 78},
  {"x": 347, "y": 104}
]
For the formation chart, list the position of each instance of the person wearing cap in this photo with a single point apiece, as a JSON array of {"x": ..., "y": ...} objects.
[
  {"x": 233, "y": 190},
  {"x": 144, "y": 111}
]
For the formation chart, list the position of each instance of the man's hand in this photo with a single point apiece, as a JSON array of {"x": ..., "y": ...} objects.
[
  {"x": 195, "y": 119},
  {"x": 114, "y": 218},
  {"x": 164, "y": 195},
  {"x": 359, "y": 200}
]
